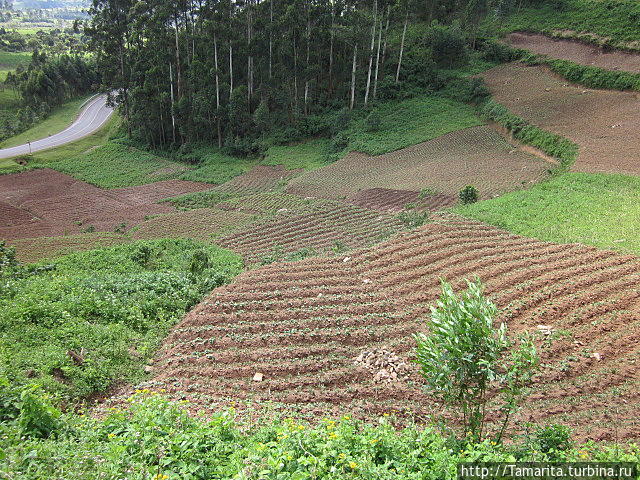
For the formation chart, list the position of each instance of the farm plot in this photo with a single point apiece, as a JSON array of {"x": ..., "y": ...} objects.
[
  {"x": 602, "y": 123},
  {"x": 575, "y": 51},
  {"x": 46, "y": 203},
  {"x": 261, "y": 178},
  {"x": 325, "y": 226},
  {"x": 476, "y": 156},
  {"x": 35, "y": 249},
  {"x": 390, "y": 200},
  {"x": 306, "y": 327}
]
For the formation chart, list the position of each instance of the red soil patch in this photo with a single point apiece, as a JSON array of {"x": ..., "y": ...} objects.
[
  {"x": 575, "y": 51},
  {"x": 477, "y": 156},
  {"x": 48, "y": 203},
  {"x": 603, "y": 123},
  {"x": 389, "y": 200},
  {"x": 302, "y": 325}
]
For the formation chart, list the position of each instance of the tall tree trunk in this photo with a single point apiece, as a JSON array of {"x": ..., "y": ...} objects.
[
  {"x": 295, "y": 74},
  {"x": 386, "y": 39},
  {"x": 173, "y": 111},
  {"x": 306, "y": 80},
  {"x": 331, "y": 36},
  {"x": 249, "y": 57},
  {"x": 353, "y": 76},
  {"x": 230, "y": 68},
  {"x": 375, "y": 77},
  {"x": 373, "y": 42},
  {"x": 404, "y": 33},
  {"x": 270, "y": 38},
  {"x": 178, "y": 76},
  {"x": 215, "y": 60}
]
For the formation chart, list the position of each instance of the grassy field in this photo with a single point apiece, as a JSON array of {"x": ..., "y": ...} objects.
[
  {"x": 310, "y": 154},
  {"x": 594, "y": 209},
  {"x": 110, "y": 306},
  {"x": 216, "y": 166},
  {"x": 614, "y": 20},
  {"x": 409, "y": 122},
  {"x": 58, "y": 120},
  {"x": 10, "y": 60}
]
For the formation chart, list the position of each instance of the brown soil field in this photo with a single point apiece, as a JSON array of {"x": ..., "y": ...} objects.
[
  {"x": 323, "y": 227},
  {"x": 46, "y": 203},
  {"x": 35, "y": 249},
  {"x": 603, "y": 123},
  {"x": 575, "y": 51},
  {"x": 477, "y": 156},
  {"x": 395, "y": 201},
  {"x": 302, "y": 325}
]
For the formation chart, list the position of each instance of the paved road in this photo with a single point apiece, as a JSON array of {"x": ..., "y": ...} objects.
[{"x": 92, "y": 116}]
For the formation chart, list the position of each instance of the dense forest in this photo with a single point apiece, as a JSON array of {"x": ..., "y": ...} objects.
[{"x": 229, "y": 71}]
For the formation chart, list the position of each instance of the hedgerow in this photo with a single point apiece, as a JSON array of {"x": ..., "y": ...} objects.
[{"x": 551, "y": 144}]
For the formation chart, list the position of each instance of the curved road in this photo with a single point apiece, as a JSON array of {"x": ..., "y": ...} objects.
[{"x": 92, "y": 116}]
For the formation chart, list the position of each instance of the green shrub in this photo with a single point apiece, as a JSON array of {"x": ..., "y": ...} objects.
[
  {"x": 373, "y": 121},
  {"x": 464, "y": 359},
  {"x": 549, "y": 438},
  {"x": 413, "y": 219},
  {"x": 468, "y": 194}
]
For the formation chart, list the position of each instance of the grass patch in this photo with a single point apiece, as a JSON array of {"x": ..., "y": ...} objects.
[
  {"x": 594, "y": 209},
  {"x": 216, "y": 166},
  {"x": 110, "y": 307},
  {"x": 114, "y": 165},
  {"x": 410, "y": 122},
  {"x": 9, "y": 61},
  {"x": 59, "y": 119},
  {"x": 309, "y": 155},
  {"x": 613, "y": 22}
]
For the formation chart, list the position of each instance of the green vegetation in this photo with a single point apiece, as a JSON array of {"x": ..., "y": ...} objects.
[
  {"x": 10, "y": 60},
  {"x": 215, "y": 166},
  {"x": 464, "y": 360},
  {"x": 594, "y": 209},
  {"x": 59, "y": 119},
  {"x": 83, "y": 321},
  {"x": 468, "y": 194},
  {"x": 556, "y": 146},
  {"x": 309, "y": 154},
  {"x": 409, "y": 122},
  {"x": 156, "y": 439},
  {"x": 119, "y": 165},
  {"x": 608, "y": 22}
]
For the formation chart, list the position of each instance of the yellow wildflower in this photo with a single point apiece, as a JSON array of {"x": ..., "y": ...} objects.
[{"x": 353, "y": 465}]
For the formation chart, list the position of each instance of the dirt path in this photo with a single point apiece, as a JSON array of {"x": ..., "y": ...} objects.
[
  {"x": 575, "y": 51},
  {"x": 603, "y": 123}
]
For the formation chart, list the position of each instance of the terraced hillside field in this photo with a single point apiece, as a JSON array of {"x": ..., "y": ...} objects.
[
  {"x": 603, "y": 123},
  {"x": 303, "y": 326},
  {"x": 574, "y": 51},
  {"x": 475, "y": 156}
]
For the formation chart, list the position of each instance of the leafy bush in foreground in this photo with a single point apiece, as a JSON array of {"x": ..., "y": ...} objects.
[
  {"x": 464, "y": 359},
  {"x": 89, "y": 318},
  {"x": 156, "y": 439}
]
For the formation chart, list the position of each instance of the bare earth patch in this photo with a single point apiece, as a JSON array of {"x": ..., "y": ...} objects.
[
  {"x": 575, "y": 51},
  {"x": 46, "y": 203},
  {"x": 603, "y": 123}
]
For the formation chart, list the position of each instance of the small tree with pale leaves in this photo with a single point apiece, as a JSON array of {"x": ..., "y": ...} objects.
[{"x": 466, "y": 361}]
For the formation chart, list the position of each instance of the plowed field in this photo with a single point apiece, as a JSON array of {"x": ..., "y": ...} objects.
[
  {"x": 390, "y": 200},
  {"x": 302, "y": 324},
  {"x": 603, "y": 123},
  {"x": 575, "y": 51},
  {"x": 46, "y": 203},
  {"x": 476, "y": 156}
]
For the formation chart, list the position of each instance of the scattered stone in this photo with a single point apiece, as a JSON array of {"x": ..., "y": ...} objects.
[
  {"x": 258, "y": 377},
  {"x": 597, "y": 356},
  {"x": 346, "y": 259},
  {"x": 386, "y": 366},
  {"x": 366, "y": 280},
  {"x": 148, "y": 369},
  {"x": 283, "y": 210},
  {"x": 545, "y": 329}
]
